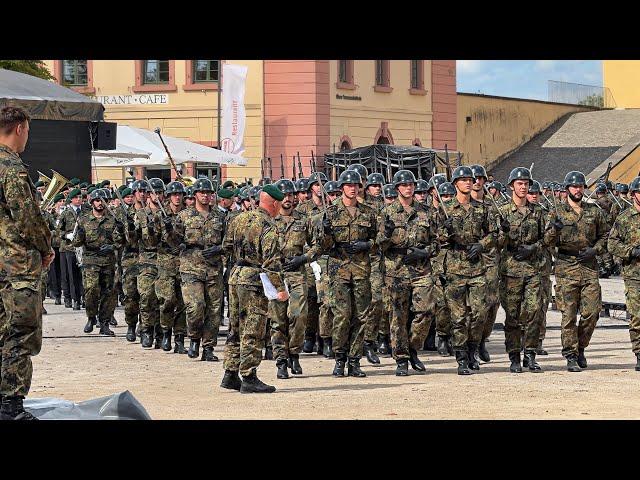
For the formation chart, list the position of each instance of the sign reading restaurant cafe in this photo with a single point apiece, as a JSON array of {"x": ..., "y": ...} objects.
[{"x": 144, "y": 99}]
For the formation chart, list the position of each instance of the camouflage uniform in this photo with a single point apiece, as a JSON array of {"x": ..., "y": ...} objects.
[
  {"x": 577, "y": 284},
  {"x": 149, "y": 230},
  {"x": 130, "y": 271},
  {"x": 546, "y": 266},
  {"x": 605, "y": 260},
  {"x": 24, "y": 239},
  {"x": 623, "y": 238},
  {"x": 491, "y": 261},
  {"x": 374, "y": 313},
  {"x": 288, "y": 319},
  {"x": 253, "y": 243},
  {"x": 442, "y": 312},
  {"x": 325, "y": 299},
  {"x": 201, "y": 277},
  {"x": 521, "y": 286},
  {"x": 465, "y": 289},
  {"x": 349, "y": 276},
  {"x": 412, "y": 286}
]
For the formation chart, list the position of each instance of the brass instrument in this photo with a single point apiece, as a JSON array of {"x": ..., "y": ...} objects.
[
  {"x": 56, "y": 184},
  {"x": 44, "y": 179}
]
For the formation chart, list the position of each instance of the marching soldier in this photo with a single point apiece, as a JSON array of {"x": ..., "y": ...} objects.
[
  {"x": 302, "y": 186},
  {"x": 470, "y": 231},
  {"x": 580, "y": 233},
  {"x": 254, "y": 246},
  {"x": 55, "y": 274},
  {"x": 624, "y": 243},
  {"x": 350, "y": 229},
  {"x": 99, "y": 235},
  {"x": 135, "y": 200},
  {"x": 384, "y": 330},
  {"x": 189, "y": 198},
  {"x": 65, "y": 227},
  {"x": 407, "y": 238}
]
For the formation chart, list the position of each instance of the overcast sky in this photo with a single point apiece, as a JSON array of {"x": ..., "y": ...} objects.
[{"x": 524, "y": 78}]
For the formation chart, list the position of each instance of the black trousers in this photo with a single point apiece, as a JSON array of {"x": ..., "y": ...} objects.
[
  {"x": 54, "y": 276},
  {"x": 74, "y": 276},
  {"x": 64, "y": 276}
]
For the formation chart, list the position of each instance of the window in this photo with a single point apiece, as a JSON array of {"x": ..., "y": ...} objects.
[
  {"x": 342, "y": 71},
  {"x": 206, "y": 71},
  {"x": 156, "y": 72},
  {"x": 345, "y": 146},
  {"x": 415, "y": 77},
  {"x": 74, "y": 73},
  {"x": 416, "y": 71},
  {"x": 382, "y": 77},
  {"x": 345, "y": 75}
]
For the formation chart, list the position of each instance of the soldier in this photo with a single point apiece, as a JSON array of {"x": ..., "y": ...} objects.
[
  {"x": 605, "y": 261},
  {"x": 580, "y": 233},
  {"x": 470, "y": 231},
  {"x": 384, "y": 329},
  {"x": 25, "y": 250},
  {"x": 225, "y": 200},
  {"x": 189, "y": 198},
  {"x": 201, "y": 229},
  {"x": 302, "y": 185},
  {"x": 349, "y": 229},
  {"x": 297, "y": 245},
  {"x": 254, "y": 245},
  {"x": 55, "y": 277},
  {"x": 66, "y": 224},
  {"x": 99, "y": 235},
  {"x": 624, "y": 243},
  {"x": 135, "y": 199},
  {"x": 421, "y": 192},
  {"x": 521, "y": 240},
  {"x": 168, "y": 287},
  {"x": 332, "y": 190},
  {"x": 407, "y": 238}
]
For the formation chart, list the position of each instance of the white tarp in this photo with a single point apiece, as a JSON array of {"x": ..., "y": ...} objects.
[
  {"x": 233, "y": 114},
  {"x": 137, "y": 147}
]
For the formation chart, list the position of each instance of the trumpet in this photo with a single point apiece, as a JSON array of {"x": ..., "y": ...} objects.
[{"x": 56, "y": 184}]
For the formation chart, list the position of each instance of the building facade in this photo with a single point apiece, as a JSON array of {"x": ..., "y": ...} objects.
[
  {"x": 622, "y": 77},
  {"x": 293, "y": 107}
]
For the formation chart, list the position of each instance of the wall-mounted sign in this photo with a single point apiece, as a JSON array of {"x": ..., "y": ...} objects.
[
  {"x": 144, "y": 99},
  {"x": 348, "y": 97}
]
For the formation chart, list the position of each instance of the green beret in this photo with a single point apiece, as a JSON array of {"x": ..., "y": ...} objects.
[
  {"x": 274, "y": 192},
  {"x": 91, "y": 189},
  {"x": 39, "y": 183},
  {"x": 228, "y": 184},
  {"x": 225, "y": 193},
  {"x": 73, "y": 193},
  {"x": 126, "y": 191},
  {"x": 122, "y": 187},
  {"x": 58, "y": 197},
  {"x": 83, "y": 185},
  {"x": 236, "y": 192},
  {"x": 105, "y": 182},
  {"x": 74, "y": 181}
]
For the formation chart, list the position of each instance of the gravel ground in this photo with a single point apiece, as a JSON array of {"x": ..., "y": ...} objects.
[{"x": 75, "y": 366}]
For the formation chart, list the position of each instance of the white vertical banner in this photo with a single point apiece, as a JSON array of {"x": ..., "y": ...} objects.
[{"x": 233, "y": 113}]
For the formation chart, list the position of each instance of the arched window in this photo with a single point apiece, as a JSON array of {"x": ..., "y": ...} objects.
[{"x": 345, "y": 143}]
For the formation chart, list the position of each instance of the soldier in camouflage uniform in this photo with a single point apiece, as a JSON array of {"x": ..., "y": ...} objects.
[
  {"x": 624, "y": 243},
  {"x": 297, "y": 245},
  {"x": 25, "y": 250},
  {"x": 521, "y": 240},
  {"x": 389, "y": 194},
  {"x": 99, "y": 235},
  {"x": 253, "y": 243},
  {"x": 201, "y": 229},
  {"x": 349, "y": 229},
  {"x": 469, "y": 230},
  {"x": 580, "y": 233},
  {"x": 603, "y": 199},
  {"x": 407, "y": 238}
]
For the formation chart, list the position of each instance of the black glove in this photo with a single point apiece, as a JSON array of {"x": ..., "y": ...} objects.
[
  {"x": 357, "y": 247},
  {"x": 443, "y": 280},
  {"x": 326, "y": 225},
  {"x": 178, "y": 250},
  {"x": 80, "y": 231},
  {"x": 131, "y": 225},
  {"x": 294, "y": 263},
  {"x": 120, "y": 227},
  {"x": 474, "y": 251},
  {"x": 586, "y": 254},
  {"x": 505, "y": 226},
  {"x": 212, "y": 251},
  {"x": 557, "y": 224},
  {"x": 150, "y": 228},
  {"x": 389, "y": 227},
  {"x": 168, "y": 223},
  {"x": 416, "y": 255},
  {"x": 106, "y": 249},
  {"x": 448, "y": 225},
  {"x": 635, "y": 253},
  {"x": 524, "y": 252}
]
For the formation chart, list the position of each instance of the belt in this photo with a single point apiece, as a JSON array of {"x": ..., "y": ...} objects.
[
  {"x": 397, "y": 251},
  {"x": 458, "y": 247},
  {"x": 244, "y": 263},
  {"x": 569, "y": 253},
  {"x": 515, "y": 248}
]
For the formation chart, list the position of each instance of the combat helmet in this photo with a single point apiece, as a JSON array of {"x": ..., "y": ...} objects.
[
  {"x": 375, "y": 179},
  {"x": 140, "y": 186},
  {"x": 389, "y": 191},
  {"x": 575, "y": 178},
  {"x": 422, "y": 186},
  {"x": 403, "y": 176},
  {"x": 447, "y": 188},
  {"x": 461, "y": 172},
  {"x": 361, "y": 169},
  {"x": 436, "y": 181},
  {"x": 634, "y": 186},
  {"x": 519, "y": 173},
  {"x": 317, "y": 177},
  {"x": 202, "y": 185},
  {"x": 331, "y": 187},
  {"x": 478, "y": 171},
  {"x": 175, "y": 187},
  {"x": 349, "y": 177},
  {"x": 285, "y": 186},
  {"x": 302, "y": 185}
]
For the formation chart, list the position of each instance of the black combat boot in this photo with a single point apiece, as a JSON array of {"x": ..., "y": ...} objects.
[
  {"x": 307, "y": 346},
  {"x": 231, "y": 380},
  {"x": 131, "y": 333},
  {"x": 530, "y": 355},
  {"x": 91, "y": 321},
  {"x": 385, "y": 346},
  {"x": 113, "y": 322},
  {"x": 638, "y": 362},
  {"x": 473, "y": 356},
  {"x": 146, "y": 338},
  {"x": 296, "y": 369},
  {"x": 450, "y": 347},
  {"x": 252, "y": 384},
  {"x": 13, "y": 409},
  {"x": 207, "y": 354},
  {"x": 320, "y": 346},
  {"x": 76, "y": 305},
  {"x": 67, "y": 302},
  {"x": 582, "y": 360},
  {"x": 430, "y": 341},
  {"x": 58, "y": 301},
  {"x": 540, "y": 350},
  {"x": 353, "y": 368},
  {"x": 105, "y": 330},
  {"x": 158, "y": 343},
  {"x": 328, "y": 343},
  {"x": 282, "y": 373},
  {"x": 194, "y": 348},
  {"x": 370, "y": 353},
  {"x": 443, "y": 351},
  {"x": 515, "y": 366},
  {"x": 382, "y": 350},
  {"x": 166, "y": 340},
  {"x": 402, "y": 370},
  {"x": 462, "y": 357},
  {"x": 525, "y": 360},
  {"x": 338, "y": 370},
  {"x": 268, "y": 353},
  {"x": 572, "y": 363},
  {"x": 179, "y": 344},
  {"x": 483, "y": 353},
  {"x": 82, "y": 304},
  {"x": 416, "y": 364}
]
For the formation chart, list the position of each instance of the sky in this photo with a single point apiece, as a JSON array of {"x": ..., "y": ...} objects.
[{"x": 523, "y": 78}]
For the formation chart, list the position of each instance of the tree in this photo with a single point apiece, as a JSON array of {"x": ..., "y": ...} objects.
[
  {"x": 593, "y": 100},
  {"x": 36, "y": 68}
]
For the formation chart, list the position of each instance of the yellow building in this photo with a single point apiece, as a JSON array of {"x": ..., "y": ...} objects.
[{"x": 622, "y": 78}]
